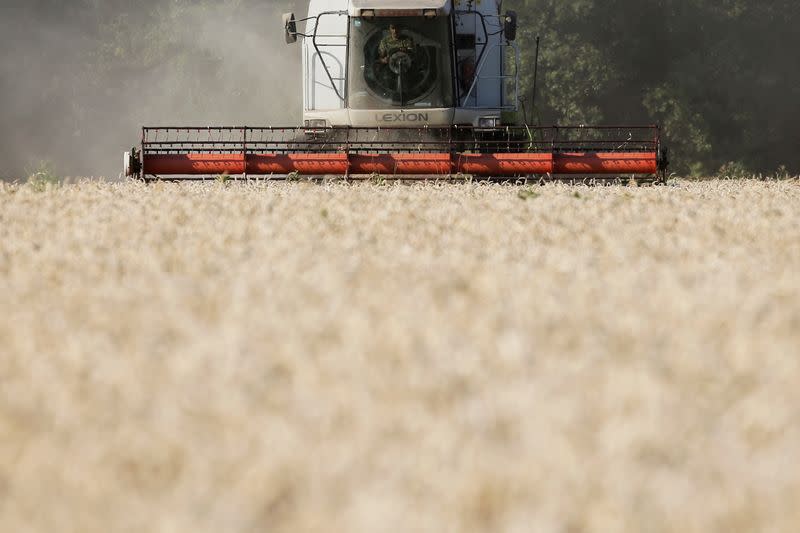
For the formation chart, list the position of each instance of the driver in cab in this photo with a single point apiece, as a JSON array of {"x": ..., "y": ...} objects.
[{"x": 392, "y": 43}]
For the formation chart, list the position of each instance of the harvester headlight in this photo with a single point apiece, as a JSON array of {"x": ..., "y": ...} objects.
[
  {"x": 429, "y": 13},
  {"x": 316, "y": 123},
  {"x": 489, "y": 122},
  {"x": 368, "y": 13}
]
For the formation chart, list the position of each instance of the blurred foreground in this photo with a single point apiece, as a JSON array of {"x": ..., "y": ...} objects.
[{"x": 314, "y": 358}]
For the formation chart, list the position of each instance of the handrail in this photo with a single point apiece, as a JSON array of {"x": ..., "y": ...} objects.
[
  {"x": 321, "y": 55},
  {"x": 479, "y": 77}
]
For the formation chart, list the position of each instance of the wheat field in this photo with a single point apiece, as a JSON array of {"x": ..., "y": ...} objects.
[{"x": 427, "y": 358}]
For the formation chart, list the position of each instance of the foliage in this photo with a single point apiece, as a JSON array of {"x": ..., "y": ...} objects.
[
  {"x": 42, "y": 176},
  {"x": 734, "y": 170},
  {"x": 720, "y": 77}
]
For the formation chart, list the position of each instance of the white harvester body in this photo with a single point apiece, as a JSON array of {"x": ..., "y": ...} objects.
[
  {"x": 412, "y": 63},
  {"x": 410, "y": 89}
]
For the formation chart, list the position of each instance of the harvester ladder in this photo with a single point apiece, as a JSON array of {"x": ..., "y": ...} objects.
[
  {"x": 485, "y": 53},
  {"x": 319, "y": 47}
]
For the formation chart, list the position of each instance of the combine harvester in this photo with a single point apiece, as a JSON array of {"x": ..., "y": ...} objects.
[{"x": 405, "y": 89}]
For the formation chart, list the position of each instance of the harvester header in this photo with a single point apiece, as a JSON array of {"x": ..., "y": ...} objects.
[{"x": 410, "y": 88}]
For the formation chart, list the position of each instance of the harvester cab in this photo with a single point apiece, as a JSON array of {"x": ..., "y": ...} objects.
[
  {"x": 393, "y": 63},
  {"x": 405, "y": 88}
]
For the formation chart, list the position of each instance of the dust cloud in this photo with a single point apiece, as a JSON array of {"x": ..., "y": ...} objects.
[{"x": 78, "y": 81}]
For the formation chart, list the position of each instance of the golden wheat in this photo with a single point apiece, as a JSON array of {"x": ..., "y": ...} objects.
[{"x": 362, "y": 358}]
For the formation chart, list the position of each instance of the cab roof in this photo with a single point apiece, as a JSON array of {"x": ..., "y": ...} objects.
[{"x": 443, "y": 6}]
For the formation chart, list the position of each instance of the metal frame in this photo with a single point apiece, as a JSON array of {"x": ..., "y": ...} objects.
[
  {"x": 516, "y": 139},
  {"x": 318, "y": 48},
  {"x": 481, "y": 63},
  {"x": 572, "y": 154}
]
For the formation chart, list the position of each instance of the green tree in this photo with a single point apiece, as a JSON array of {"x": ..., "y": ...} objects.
[{"x": 720, "y": 77}]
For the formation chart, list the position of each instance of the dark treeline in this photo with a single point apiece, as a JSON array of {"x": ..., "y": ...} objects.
[
  {"x": 78, "y": 78},
  {"x": 721, "y": 76}
]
